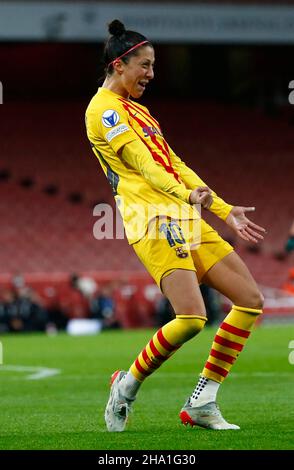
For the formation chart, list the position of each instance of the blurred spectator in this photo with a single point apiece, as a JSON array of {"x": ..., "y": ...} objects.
[
  {"x": 5, "y": 298},
  {"x": 102, "y": 307},
  {"x": 86, "y": 285},
  {"x": 18, "y": 281},
  {"x": 289, "y": 285},
  {"x": 164, "y": 312},
  {"x": 73, "y": 302},
  {"x": 74, "y": 299},
  {"x": 57, "y": 320},
  {"x": 290, "y": 242},
  {"x": 289, "y": 245},
  {"x": 22, "y": 311},
  {"x": 212, "y": 304}
]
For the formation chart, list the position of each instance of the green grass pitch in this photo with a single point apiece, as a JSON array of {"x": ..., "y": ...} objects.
[{"x": 65, "y": 411}]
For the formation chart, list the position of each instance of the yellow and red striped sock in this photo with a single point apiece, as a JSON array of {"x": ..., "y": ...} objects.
[
  {"x": 229, "y": 342},
  {"x": 165, "y": 342}
]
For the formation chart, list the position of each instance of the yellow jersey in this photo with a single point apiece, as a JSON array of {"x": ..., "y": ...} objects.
[{"x": 150, "y": 179}]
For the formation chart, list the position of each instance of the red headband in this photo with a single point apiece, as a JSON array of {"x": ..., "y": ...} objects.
[{"x": 125, "y": 53}]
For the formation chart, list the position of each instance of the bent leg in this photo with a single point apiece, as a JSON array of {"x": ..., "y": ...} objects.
[
  {"x": 231, "y": 277},
  {"x": 184, "y": 294}
]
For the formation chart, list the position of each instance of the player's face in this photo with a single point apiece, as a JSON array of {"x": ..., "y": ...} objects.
[{"x": 138, "y": 72}]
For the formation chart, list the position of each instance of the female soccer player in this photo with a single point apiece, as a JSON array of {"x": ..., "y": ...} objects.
[{"x": 156, "y": 194}]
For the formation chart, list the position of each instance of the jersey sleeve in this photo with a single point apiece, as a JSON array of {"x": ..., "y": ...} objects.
[
  {"x": 114, "y": 127},
  {"x": 191, "y": 180},
  {"x": 138, "y": 157}
]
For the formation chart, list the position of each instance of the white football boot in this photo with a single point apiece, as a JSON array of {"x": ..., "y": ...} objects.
[
  {"x": 207, "y": 416},
  {"x": 118, "y": 407}
]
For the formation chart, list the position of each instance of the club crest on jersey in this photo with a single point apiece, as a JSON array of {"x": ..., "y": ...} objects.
[
  {"x": 181, "y": 253},
  {"x": 110, "y": 118}
]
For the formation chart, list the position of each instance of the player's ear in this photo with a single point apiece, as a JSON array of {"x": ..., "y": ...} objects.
[{"x": 118, "y": 66}]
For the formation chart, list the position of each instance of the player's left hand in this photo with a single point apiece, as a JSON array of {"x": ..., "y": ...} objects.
[
  {"x": 244, "y": 227},
  {"x": 201, "y": 195}
]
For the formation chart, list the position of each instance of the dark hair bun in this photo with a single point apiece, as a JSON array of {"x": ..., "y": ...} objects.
[{"x": 116, "y": 28}]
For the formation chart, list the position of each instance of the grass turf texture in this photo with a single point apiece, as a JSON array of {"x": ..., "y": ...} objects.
[{"x": 66, "y": 411}]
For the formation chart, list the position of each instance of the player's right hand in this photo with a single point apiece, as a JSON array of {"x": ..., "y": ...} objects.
[{"x": 201, "y": 195}]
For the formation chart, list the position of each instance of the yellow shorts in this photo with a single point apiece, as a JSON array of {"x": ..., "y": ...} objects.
[{"x": 176, "y": 248}]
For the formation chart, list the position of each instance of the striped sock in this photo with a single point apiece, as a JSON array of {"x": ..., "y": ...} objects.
[
  {"x": 229, "y": 342},
  {"x": 164, "y": 343}
]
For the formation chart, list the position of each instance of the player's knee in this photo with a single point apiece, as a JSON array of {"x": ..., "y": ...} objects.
[
  {"x": 256, "y": 300},
  {"x": 191, "y": 325},
  {"x": 260, "y": 300},
  {"x": 253, "y": 298},
  {"x": 189, "y": 306}
]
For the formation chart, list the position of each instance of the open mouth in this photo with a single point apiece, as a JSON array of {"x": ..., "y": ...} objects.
[{"x": 142, "y": 84}]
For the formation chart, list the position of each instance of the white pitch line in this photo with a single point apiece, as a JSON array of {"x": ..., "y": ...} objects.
[{"x": 38, "y": 372}]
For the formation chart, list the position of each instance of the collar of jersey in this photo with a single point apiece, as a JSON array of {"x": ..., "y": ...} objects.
[{"x": 108, "y": 92}]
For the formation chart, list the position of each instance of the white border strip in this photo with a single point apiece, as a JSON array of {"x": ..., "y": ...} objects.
[{"x": 69, "y": 21}]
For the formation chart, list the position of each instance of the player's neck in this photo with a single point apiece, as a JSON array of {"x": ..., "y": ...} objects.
[{"x": 115, "y": 87}]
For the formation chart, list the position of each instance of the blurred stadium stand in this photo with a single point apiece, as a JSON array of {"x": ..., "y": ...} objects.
[
  {"x": 50, "y": 181},
  {"x": 226, "y": 114}
]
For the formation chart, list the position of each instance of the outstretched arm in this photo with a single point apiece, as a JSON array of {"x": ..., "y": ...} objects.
[{"x": 234, "y": 216}]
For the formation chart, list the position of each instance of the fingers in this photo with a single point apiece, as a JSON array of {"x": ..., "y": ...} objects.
[
  {"x": 201, "y": 197},
  {"x": 202, "y": 189},
  {"x": 246, "y": 229},
  {"x": 257, "y": 227},
  {"x": 254, "y": 233},
  {"x": 252, "y": 224},
  {"x": 243, "y": 235},
  {"x": 206, "y": 200},
  {"x": 250, "y": 235},
  {"x": 199, "y": 194},
  {"x": 247, "y": 236},
  {"x": 209, "y": 201}
]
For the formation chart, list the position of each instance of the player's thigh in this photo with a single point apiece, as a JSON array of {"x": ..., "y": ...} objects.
[
  {"x": 167, "y": 257},
  {"x": 232, "y": 278},
  {"x": 211, "y": 249},
  {"x": 181, "y": 288}
]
